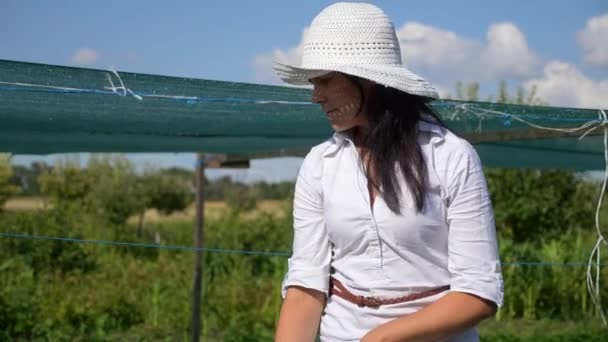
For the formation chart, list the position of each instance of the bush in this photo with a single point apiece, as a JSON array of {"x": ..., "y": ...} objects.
[
  {"x": 6, "y": 188},
  {"x": 530, "y": 204},
  {"x": 46, "y": 255},
  {"x": 241, "y": 200}
]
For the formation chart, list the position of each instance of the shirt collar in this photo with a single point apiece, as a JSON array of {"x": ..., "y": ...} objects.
[
  {"x": 336, "y": 142},
  {"x": 436, "y": 131}
]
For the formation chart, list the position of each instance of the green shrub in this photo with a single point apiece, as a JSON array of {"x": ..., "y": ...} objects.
[{"x": 532, "y": 204}]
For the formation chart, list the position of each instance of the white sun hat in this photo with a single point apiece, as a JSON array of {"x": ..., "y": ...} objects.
[{"x": 357, "y": 39}]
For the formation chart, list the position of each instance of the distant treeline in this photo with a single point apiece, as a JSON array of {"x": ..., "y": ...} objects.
[{"x": 27, "y": 179}]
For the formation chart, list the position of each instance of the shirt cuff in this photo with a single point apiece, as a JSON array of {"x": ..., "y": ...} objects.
[
  {"x": 310, "y": 278},
  {"x": 489, "y": 286}
]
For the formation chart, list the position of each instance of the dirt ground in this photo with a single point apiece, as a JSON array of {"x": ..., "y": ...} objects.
[
  {"x": 25, "y": 203},
  {"x": 213, "y": 209}
]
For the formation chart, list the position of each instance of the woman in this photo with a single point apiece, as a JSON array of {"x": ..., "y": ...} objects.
[{"x": 394, "y": 236}]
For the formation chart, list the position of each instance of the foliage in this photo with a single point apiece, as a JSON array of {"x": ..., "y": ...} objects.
[
  {"x": 55, "y": 255},
  {"x": 223, "y": 187},
  {"x": 470, "y": 92},
  {"x": 46, "y": 296},
  {"x": 56, "y": 290},
  {"x": 241, "y": 199},
  {"x": 110, "y": 188},
  {"x": 26, "y": 178},
  {"x": 240, "y": 196},
  {"x": 543, "y": 330},
  {"x": 114, "y": 188},
  {"x": 172, "y": 183},
  {"x": 6, "y": 189},
  {"x": 547, "y": 291},
  {"x": 164, "y": 192},
  {"x": 532, "y": 204},
  {"x": 66, "y": 184}
]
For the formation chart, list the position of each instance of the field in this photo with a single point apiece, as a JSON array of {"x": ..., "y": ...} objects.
[
  {"x": 25, "y": 203},
  {"x": 60, "y": 291},
  {"x": 213, "y": 209}
]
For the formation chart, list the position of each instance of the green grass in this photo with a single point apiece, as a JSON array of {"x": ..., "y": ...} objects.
[
  {"x": 63, "y": 291},
  {"x": 518, "y": 330}
]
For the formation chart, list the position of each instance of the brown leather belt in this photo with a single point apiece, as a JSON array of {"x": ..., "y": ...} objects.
[{"x": 336, "y": 288}]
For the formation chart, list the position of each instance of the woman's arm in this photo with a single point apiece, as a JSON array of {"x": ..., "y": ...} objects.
[
  {"x": 473, "y": 262},
  {"x": 300, "y": 315},
  {"x": 453, "y": 313}
]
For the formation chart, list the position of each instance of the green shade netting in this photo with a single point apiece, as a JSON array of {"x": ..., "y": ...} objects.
[{"x": 54, "y": 109}]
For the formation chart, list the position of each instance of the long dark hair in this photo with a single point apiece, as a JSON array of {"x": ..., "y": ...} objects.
[{"x": 392, "y": 138}]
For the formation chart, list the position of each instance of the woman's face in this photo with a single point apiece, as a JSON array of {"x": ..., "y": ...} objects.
[{"x": 340, "y": 99}]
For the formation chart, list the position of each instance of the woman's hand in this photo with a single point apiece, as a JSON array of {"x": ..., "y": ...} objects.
[
  {"x": 448, "y": 316},
  {"x": 374, "y": 335}
]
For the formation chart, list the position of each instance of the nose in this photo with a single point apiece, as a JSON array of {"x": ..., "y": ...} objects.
[{"x": 317, "y": 96}]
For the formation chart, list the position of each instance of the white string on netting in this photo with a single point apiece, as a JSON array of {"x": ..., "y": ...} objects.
[
  {"x": 593, "y": 267},
  {"x": 589, "y": 125},
  {"x": 123, "y": 91},
  {"x": 594, "y": 286}
]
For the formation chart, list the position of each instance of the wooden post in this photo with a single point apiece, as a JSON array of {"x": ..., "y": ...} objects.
[{"x": 199, "y": 241}]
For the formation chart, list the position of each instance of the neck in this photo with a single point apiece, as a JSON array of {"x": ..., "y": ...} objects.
[{"x": 359, "y": 135}]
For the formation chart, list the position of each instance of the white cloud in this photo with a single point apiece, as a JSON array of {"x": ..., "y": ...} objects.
[
  {"x": 429, "y": 46},
  {"x": 594, "y": 40},
  {"x": 85, "y": 56},
  {"x": 447, "y": 57},
  {"x": 507, "y": 52},
  {"x": 264, "y": 61},
  {"x": 504, "y": 54},
  {"x": 442, "y": 54},
  {"x": 562, "y": 84}
]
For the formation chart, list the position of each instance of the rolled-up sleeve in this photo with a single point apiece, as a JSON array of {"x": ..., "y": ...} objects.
[
  {"x": 473, "y": 260},
  {"x": 309, "y": 263}
]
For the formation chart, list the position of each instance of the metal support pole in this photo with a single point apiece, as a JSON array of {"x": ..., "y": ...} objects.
[{"x": 199, "y": 241}]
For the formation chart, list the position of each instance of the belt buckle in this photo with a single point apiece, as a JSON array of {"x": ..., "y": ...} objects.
[{"x": 369, "y": 301}]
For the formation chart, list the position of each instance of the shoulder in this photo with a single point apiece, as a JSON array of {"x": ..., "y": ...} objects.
[
  {"x": 313, "y": 163},
  {"x": 454, "y": 152}
]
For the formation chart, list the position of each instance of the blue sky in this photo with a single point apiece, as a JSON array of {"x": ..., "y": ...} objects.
[{"x": 558, "y": 45}]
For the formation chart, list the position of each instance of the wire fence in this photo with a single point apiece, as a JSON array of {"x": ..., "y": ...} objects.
[{"x": 245, "y": 252}]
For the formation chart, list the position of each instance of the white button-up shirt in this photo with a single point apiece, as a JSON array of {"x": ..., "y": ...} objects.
[{"x": 375, "y": 252}]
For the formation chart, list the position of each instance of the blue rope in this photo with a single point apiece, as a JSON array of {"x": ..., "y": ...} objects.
[
  {"x": 191, "y": 100},
  {"x": 187, "y": 99},
  {"x": 145, "y": 245},
  {"x": 542, "y": 263},
  {"x": 236, "y": 251}
]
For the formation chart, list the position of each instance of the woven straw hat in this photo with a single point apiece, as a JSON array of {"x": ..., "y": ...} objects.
[{"x": 356, "y": 39}]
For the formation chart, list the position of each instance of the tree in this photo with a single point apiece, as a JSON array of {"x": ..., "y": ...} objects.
[
  {"x": 26, "y": 177},
  {"x": 66, "y": 183},
  {"x": 532, "y": 204},
  {"x": 6, "y": 188},
  {"x": 165, "y": 191},
  {"x": 470, "y": 92},
  {"x": 114, "y": 188},
  {"x": 107, "y": 187}
]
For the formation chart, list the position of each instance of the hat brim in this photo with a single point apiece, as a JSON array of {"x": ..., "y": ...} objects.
[{"x": 398, "y": 77}]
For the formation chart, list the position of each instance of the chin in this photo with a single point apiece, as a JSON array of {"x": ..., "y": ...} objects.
[{"x": 340, "y": 128}]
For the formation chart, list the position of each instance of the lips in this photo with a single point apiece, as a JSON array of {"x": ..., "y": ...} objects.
[{"x": 330, "y": 114}]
